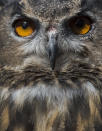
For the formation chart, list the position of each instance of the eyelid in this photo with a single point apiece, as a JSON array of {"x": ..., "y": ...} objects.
[
  {"x": 20, "y": 30},
  {"x": 35, "y": 22},
  {"x": 80, "y": 30},
  {"x": 69, "y": 33}
]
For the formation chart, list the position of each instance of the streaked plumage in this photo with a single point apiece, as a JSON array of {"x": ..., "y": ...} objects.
[{"x": 52, "y": 79}]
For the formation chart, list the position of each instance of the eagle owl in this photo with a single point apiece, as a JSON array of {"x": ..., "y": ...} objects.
[{"x": 50, "y": 65}]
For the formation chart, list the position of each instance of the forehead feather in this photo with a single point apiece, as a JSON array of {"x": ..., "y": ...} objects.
[
  {"x": 54, "y": 8},
  {"x": 51, "y": 8}
]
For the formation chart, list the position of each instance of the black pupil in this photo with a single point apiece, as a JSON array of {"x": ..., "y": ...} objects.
[
  {"x": 80, "y": 23},
  {"x": 25, "y": 24}
]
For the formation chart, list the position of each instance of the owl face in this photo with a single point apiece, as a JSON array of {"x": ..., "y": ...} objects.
[
  {"x": 50, "y": 53},
  {"x": 50, "y": 35}
]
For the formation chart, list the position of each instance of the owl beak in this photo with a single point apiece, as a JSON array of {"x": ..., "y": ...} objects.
[{"x": 52, "y": 50}]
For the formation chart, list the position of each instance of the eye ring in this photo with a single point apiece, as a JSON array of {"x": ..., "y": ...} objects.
[
  {"x": 80, "y": 25},
  {"x": 24, "y": 27}
]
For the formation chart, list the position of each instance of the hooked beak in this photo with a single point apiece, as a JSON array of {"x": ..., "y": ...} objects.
[{"x": 52, "y": 50}]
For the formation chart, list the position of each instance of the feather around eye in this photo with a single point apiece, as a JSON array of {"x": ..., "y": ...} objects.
[
  {"x": 24, "y": 27},
  {"x": 80, "y": 25}
]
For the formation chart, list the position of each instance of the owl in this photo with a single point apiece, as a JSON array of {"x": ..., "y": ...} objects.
[{"x": 50, "y": 65}]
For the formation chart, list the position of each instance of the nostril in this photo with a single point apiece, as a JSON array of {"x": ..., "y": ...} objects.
[
  {"x": 51, "y": 30},
  {"x": 51, "y": 27}
]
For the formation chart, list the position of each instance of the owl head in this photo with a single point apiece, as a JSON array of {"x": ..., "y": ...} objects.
[{"x": 50, "y": 33}]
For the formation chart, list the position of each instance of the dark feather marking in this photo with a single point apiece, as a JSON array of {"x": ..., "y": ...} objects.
[
  {"x": 29, "y": 74},
  {"x": 79, "y": 103}
]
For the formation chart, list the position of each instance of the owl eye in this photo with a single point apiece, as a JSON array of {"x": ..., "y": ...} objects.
[
  {"x": 24, "y": 27},
  {"x": 80, "y": 25}
]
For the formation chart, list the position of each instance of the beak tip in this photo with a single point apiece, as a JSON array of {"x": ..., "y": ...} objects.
[
  {"x": 52, "y": 64},
  {"x": 53, "y": 67}
]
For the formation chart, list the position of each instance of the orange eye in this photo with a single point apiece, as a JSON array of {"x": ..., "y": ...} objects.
[
  {"x": 80, "y": 25},
  {"x": 24, "y": 28}
]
